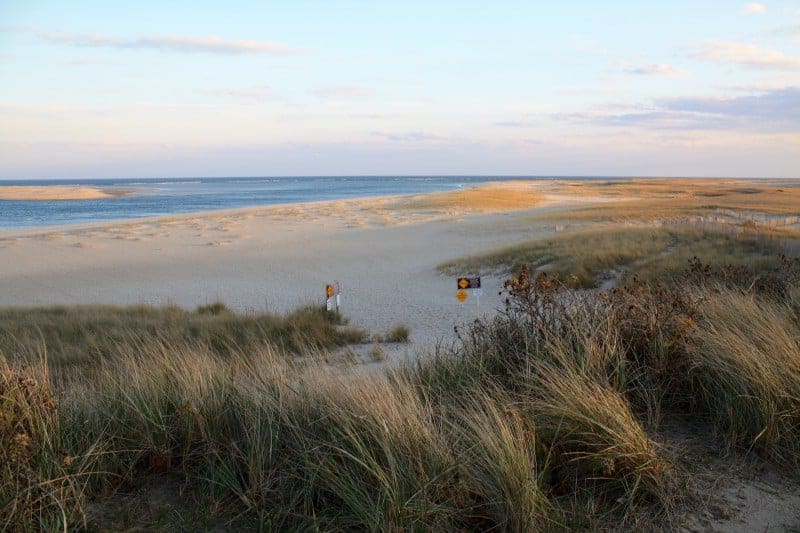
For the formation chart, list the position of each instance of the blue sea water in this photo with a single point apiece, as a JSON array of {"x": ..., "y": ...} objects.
[{"x": 168, "y": 196}]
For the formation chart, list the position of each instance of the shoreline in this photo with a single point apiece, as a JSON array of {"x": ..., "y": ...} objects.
[
  {"x": 360, "y": 202},
  {"x": 555, "y": 191}
]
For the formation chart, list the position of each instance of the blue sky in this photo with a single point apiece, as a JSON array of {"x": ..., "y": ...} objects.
[{"x": 101, "y": 89}]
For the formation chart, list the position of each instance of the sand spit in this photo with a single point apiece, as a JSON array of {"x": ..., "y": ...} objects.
[
  {"x": 58, "y": 192},
  {"x": 383, "y": 250}
]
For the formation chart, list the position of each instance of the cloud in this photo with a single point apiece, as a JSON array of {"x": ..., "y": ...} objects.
[
  {"x": 759, "y": 86},
  {"x": 746, "y": 55},
  {"x": 753, "y": 8},
  {"x": 343, "y": 93},
  {"x": 513, "y": 124},
  {"x": 374, "y": 116},
  {"x": 260, "y": 93},
  {"x": 791, "y": 31},
  {"x": 651, "y": 69},
  {"x": 408, "y": 136},
  {"x": 86, "y": 62},
  {"x": 772, "y": 111},
  {"x": 165, "y": 43}
]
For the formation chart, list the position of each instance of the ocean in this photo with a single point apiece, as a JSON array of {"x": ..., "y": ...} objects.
[{"x": 168, "y": 196}]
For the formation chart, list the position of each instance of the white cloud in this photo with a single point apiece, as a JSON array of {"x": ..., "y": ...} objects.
[
  {"x": 651, "y": 69},
  {"x": 171, "y": 43},
  {"x": 407, "y": 136},
  {"x": 792, "y": 31},
  {"x": 343, "y": 93},
  {"x": 260, "y": 93},
  {"x": 753, "y": 8},
  {"x": 776, "y": 111},
  {"x": 746, "y": 55}
]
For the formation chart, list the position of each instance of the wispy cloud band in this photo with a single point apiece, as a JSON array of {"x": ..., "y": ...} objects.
[
  {"x": 651, "y": 69},
  {"x": 746, "y": 55},
  {"x": 167, "y": 43},
  {"x": 773, "y": 111}
]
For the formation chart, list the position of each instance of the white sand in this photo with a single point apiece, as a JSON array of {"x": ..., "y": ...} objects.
[
  {"x": 57, "y": 192},
  {"x": 274, "y": 258}
]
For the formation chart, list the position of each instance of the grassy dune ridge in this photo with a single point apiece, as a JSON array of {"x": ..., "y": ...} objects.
[{"x": 650, "y": 253}]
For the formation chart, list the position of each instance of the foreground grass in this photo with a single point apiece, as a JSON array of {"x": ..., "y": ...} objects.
[
  {"x": 304, "y": 447},
  {"x": 540, "y": 419},
  {"x": 649, "y": 253},
  {"x": 83, "y": 336}
]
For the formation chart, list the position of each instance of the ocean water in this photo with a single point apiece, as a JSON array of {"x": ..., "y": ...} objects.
[{"x": 155, "y": 197}]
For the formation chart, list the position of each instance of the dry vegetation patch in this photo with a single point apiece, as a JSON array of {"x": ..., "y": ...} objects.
[
  {"x": 507, "y": 196},
  {"x": 646, "y": 200},
  {"x": 585, "y": 257}
]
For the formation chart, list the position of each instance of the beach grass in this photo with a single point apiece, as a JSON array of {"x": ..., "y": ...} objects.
[
  {"x": 587, "y": 256},
  {"x": 647, "y": 200},
  {"x": 83, "y": 336},
  {"x": 545, "y": 417}
]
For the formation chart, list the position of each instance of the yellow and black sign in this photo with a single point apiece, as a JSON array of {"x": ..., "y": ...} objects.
[
  {"x": 469, "y": 283},
  {"x": 329, "y": 291},
  {"x": 462, "y": 295}
]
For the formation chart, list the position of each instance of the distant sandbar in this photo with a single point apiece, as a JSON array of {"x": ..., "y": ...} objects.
[{"x": 58, "y": 192}]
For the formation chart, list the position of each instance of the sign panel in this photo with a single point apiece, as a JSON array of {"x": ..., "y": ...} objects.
[
  {"x": 332, "y": 292},
  {"x": 462, "y": 295},
  {"x": 469, "y": 283}
]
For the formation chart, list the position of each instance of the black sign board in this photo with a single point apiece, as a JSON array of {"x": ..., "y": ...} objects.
[{"x": 469, "y": 283}]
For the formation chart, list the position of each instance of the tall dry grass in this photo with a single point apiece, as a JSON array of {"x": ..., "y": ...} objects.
[
  {"x": 744, "y": 371},
  {"x": 540, "y": 419}
]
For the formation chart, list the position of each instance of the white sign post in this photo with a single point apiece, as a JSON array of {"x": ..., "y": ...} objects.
[{"x": 332, "y": 293}]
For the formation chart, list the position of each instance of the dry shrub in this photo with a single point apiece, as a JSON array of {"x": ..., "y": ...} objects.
[
  {"x": 40, "y": 484},
  {"x": 773, "y": 279}
]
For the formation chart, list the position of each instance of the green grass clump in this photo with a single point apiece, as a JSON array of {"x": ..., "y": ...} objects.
[
  {"x": 83, "y": 336},
  {"x": 649, "y": 253},
  {"x": 399, "y": 333}
]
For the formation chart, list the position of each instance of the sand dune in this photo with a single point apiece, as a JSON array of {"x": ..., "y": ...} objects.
[
  {"x": 383, "y": 250},
  {"x": 57, "y": 192}
]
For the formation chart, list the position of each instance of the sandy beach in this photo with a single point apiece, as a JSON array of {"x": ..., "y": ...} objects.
[
  {"x": 383, "y": 252},
  {"x": 57, "y": 192}
]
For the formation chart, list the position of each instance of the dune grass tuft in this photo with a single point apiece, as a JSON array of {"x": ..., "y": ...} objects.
[{"x": 82, "y": 336}]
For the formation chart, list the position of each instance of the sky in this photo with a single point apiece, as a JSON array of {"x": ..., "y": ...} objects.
[{"x": 157, "y": 89}]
